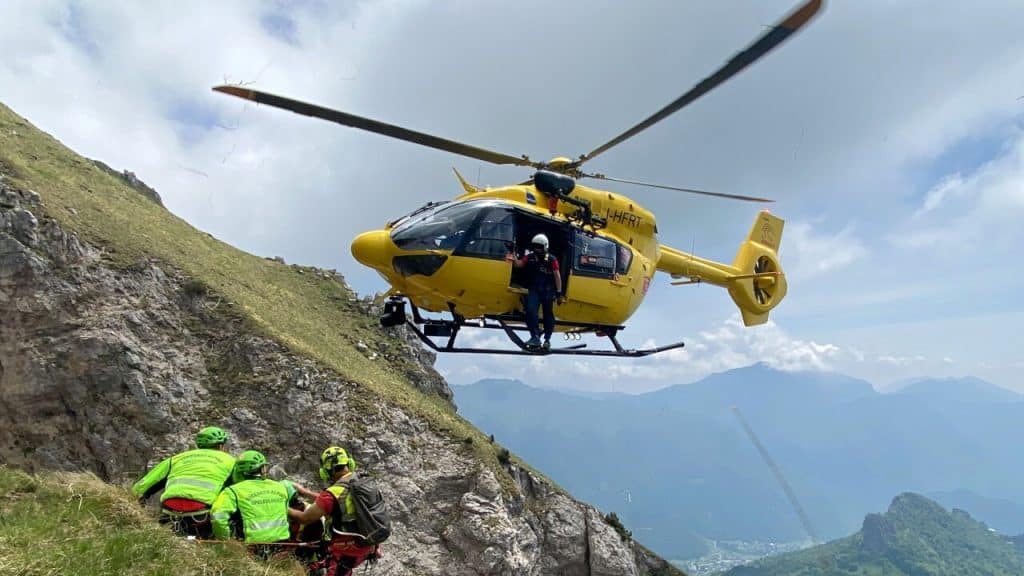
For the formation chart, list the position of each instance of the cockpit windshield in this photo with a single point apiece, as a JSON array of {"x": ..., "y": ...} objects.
[
  {"x": 442, "y": 228},
  {"x": 419, "y": 213}
]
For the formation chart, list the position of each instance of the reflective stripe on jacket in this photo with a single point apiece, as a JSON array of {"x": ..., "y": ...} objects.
[
  {"x": 198, "y": 475},
  {"x": 259, "y": 506}
]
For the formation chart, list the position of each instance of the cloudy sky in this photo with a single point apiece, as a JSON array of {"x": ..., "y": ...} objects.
[{"x": 890, "y": 133}]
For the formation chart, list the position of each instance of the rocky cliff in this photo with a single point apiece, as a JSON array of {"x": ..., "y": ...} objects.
[{"x": 116, "y": 346}]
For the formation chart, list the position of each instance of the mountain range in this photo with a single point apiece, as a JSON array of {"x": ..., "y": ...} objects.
[{"x": 678, "y": 469}]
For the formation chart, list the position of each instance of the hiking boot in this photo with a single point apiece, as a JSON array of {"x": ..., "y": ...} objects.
[
  {"x": 533, "y": 342},
  {"x": 547, "y": 344}
]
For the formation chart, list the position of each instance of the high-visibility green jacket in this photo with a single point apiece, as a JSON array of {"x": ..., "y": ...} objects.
[
  {"x": 198, "y": 475},
  {"x": 257, "y": 508},
  {"x": 292, "y": 493}
]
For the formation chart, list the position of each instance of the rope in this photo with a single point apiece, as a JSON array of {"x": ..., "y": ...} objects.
[{"x": 281, "y": 544}]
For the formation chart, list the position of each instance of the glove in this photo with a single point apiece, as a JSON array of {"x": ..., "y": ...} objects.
[
  {"x": 560, "y": 299},
  {"x": 372, "y": 557}
]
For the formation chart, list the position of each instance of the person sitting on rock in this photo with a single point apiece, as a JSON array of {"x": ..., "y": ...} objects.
[
  {"x": 190, "y": 480},
  {"x": 255, "y": 509},
  {"x": 346, "y": 549}
]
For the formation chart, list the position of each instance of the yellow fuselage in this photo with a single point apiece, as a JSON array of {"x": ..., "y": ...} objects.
[
  {"x": 481, "y": 286},
  {"x": 475, "y": 286}
]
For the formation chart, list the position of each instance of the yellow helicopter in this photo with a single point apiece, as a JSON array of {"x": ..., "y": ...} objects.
[{"x": 453, "y": 257}]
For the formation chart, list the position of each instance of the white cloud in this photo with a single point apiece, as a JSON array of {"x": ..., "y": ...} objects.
[
  {"x": 857, "y": 353},
  {"x": 901, "y": 361},
  {"x": 948, "y": 186},
  {"x": 810, "y": 252},
  {"x": 982, "y": 211},
  {"x": 730, "y": 345}
]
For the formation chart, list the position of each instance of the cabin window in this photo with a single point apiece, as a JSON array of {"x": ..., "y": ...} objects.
[
  {"x": 594, "y": 256},
  {"x": 625, "y": 259},
  {"x": 494, "y": 235}
]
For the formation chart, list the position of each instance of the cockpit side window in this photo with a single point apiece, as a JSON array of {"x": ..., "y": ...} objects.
[
  {"x": 594, "y": 256},
  {"x": 442, "y": 229},
  {"x": 493, "y": 236}
]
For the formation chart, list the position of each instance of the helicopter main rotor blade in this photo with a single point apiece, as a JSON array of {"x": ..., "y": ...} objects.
[
  {"x": 764, "y": 44},
  {"x": 677, "y": 189},
  {"x": 375, "y": 126}
]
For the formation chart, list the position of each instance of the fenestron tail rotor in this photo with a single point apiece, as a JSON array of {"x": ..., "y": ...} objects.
[{"x": 760, "y": 266}]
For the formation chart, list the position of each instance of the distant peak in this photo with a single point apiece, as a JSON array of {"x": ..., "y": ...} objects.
[
  {"x": 761, "y": 366},
  {"x": 964, "y": 388},
  {"x": 497, "y": 382},
  {"x": 910, "y": 504},
  {"x": 910, "y": 499}
]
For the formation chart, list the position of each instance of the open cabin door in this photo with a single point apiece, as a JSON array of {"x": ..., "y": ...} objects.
[{"x": 559, "y": 244}]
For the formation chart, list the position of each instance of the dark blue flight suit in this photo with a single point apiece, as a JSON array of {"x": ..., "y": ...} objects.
[{"x": 540, "y": 280}]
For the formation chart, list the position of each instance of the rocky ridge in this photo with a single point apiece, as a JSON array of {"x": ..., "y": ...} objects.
[{"x": 109, "y": 369}]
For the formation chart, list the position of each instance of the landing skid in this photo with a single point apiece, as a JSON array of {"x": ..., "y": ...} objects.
[{"x": 510, "y": 325}]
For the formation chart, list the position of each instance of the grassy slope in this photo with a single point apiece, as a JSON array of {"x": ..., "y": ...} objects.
[
  {"x": 75, "y": 524},
  {"x": 310, "y": 314}
]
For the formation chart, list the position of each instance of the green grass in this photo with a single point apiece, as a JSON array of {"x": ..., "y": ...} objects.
[
  {"x": 62, "y": 523},
  {"x": 312, "y": 315}
]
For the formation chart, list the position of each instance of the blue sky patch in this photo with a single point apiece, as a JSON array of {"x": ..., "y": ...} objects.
[
  {"x": 281, "y": 26},
  {"x": 192, "y": 119},
  {"x": 964, "y": 157},
  {"x": 75, "y": 30}
]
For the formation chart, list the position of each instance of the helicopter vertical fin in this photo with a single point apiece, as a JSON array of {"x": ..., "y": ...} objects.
[
  {"x": 760, "y": 284},
  {"x": 469, "y": 188}
]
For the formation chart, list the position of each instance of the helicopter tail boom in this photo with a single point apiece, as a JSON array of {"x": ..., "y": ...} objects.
[{"x": 755, "y": 280}]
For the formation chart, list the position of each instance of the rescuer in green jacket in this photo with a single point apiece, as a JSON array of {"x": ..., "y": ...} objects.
[
  {"x": 191, "y": 481},
  {"x": 256, "y": 508}
]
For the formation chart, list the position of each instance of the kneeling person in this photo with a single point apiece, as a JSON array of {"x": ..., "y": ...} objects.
[
  {"x": 346, "y": 548},
  {"x": 256, "y": 508},
  {"x": 190, "y": 482}
]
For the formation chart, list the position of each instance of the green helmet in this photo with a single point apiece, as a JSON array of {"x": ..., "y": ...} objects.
[
  {"x": 250, "y": 463},
  {"x": 211, "y": 437},
  {"x": 332, "y": 458}
]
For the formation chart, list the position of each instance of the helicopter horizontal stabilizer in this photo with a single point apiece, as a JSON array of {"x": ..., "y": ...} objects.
[{"x": 755, "y": 279}]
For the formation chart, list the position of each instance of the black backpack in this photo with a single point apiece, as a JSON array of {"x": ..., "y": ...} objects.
[{"x": 372, "y": 515}]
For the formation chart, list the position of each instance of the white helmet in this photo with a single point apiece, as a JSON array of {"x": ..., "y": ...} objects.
[{"x": 541, "y": 240}]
